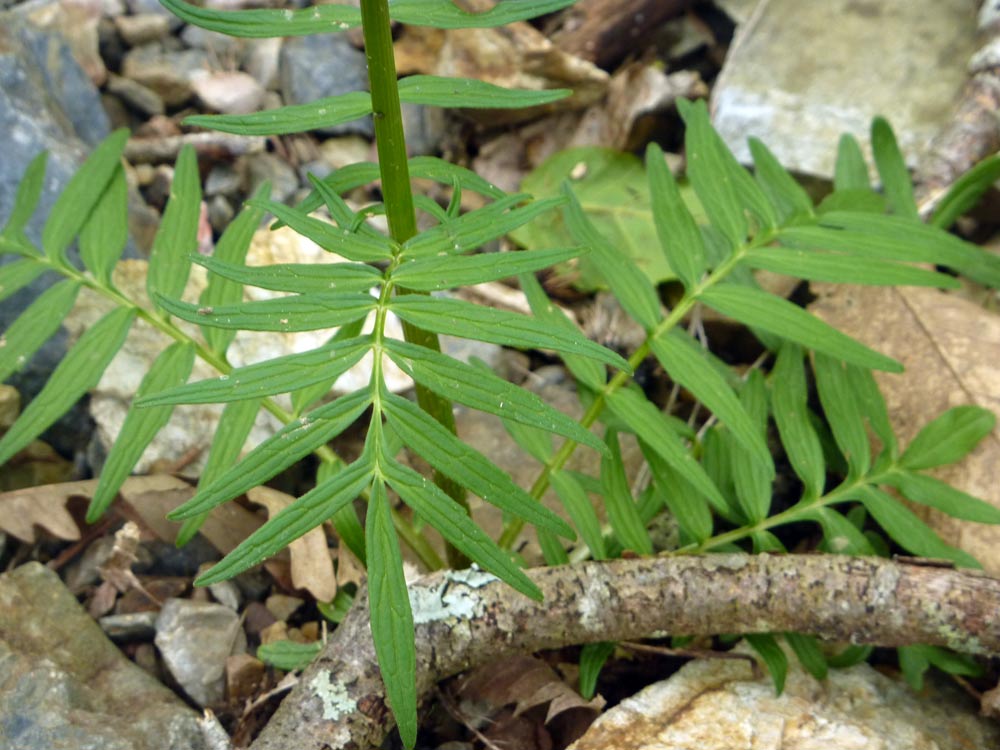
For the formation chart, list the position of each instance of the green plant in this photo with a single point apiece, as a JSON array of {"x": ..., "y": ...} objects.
[{"x": 716, "y": 482}]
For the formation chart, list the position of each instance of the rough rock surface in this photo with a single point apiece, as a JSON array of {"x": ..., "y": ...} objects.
[
  {"x": 801, "y": 74},
  {"x": 65, "y": 686}
]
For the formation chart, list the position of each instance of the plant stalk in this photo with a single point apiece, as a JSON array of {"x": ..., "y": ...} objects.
[{"x": 397, "y": 193}]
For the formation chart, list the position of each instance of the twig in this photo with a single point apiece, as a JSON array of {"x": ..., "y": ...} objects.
[{"x": 465, "y": 618}]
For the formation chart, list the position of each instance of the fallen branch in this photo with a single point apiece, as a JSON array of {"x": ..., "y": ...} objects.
[{"x": 466, "y": 618}]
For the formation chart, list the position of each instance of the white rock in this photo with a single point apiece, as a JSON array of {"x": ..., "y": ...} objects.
[{"x": 231, "y": 93}]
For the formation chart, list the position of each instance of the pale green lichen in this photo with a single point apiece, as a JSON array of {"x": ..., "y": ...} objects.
[
  {"x": 451, "y": 598},
  {"x": 336, "y": 702}
]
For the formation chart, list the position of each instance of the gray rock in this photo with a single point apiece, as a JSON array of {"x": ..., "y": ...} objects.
[
  {"x": 167, "y": 73},
  {"x": 223, "y": 180},
  {"x": 425, "y": 129},
  {"x": 136, "y": 626},
  {"x": 134, "y": 94},
  {"x": 65, "y": 686},
  {"x": 220, "y": 213},
  {"x": 47, "y": 103},
  {"x": 195, "y": 638},
  {"x": 143, "y": 28},
  {"x": 801, "y": 74},
  {"x": 271, "y": 167},
  {"x": 314, "y": 67},
  {"x": 212, "y": 41},
  {"x": 231, "y": 93}
]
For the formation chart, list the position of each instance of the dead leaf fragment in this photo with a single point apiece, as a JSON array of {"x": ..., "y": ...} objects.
[
  {"x": 950, "y": 348},
  {"x": 44, "y": 506},
  {"x": 312, "y": 566}
]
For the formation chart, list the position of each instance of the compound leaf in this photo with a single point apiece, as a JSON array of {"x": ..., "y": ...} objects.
[
  {"x": 298, "y": 312},
  {"x": 103, "y": 236},
  {"x": 934, "y": 493},
  {"x": 676, "y": 228},
  {"x": 177, "y": 237},
  {"x": 445, "y": 272},
  {"x": 439, "y": 91},
  {"x": 948, "y": 438},
  {"x": 35, "y": 325}
]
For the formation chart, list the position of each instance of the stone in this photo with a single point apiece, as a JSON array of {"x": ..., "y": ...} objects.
[
  {"x": 215, "y": 42},
  {"x": 76, "y": 22},
  {"x": 134, "y": 94},
  {"x": 283, "y": 606},
  {"x": 135, "y": 626},
  {"x": 169, "y": 74},
  {"x": 220, "y": 213},
  {"x": 315, "y": 67},
  {"x": 425, "y": 129},
  {"x": 223, "y": 180},
  {"x": 230, "y": 93},
  {"x": 348, "y": 149},
  {"x": 10, "y": 405},
  {"x": 142, "y": 29},
  {"x": 268, "y": 167},
  {"x": 719, "y": 704},
  {"x": 904, "y": 59},
  {"x": 262, "y": 60},
  {"x": 142, "y": 7},
  {"x": 195, "y": 639},
  {"x": 65, "y": 686}
]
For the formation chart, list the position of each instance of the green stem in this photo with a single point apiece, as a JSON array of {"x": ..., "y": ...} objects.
[
  {"x": 513, "y": 528},
  {"x": 398, "y": 197}
]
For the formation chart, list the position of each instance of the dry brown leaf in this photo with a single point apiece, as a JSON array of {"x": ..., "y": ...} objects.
[
  {"x": 951, "y": 350},
  {"x": 43, "y": 506},
  {"x": 525, "y": 682},
  {"x": 312, "y": 566}
]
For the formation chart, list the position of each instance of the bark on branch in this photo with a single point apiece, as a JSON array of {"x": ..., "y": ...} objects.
[{"x": 466, "y": 618}]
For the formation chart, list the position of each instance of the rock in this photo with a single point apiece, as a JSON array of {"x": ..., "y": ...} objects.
[
  {"x": 718, "y": 704},
  {"x": 48, "y": 103},
  {"x": 135, "y": 95},
  {"x": 76, "y": 22},
  {"x": 220, "y": 213},
  {"x": 738, "y": 10},
  {"x": 350, "y": 149},
  {"x": 10, "y": 405},
  {"x": 425, "y": 128},
  {"x": 169, "y": 74},
  {"x": 142, "y": 7},
  {"x": 65, "y": 686},
  {"x": 271, "y": 168},
  {"x": 195, "y": 639},
  {"x": 227, "y": 594},
  {"x": 231, "y": 93},
  {"x": 863, "y": 61},
  {"x": 314, "y": 67},
  {"x": 223, "y": 180},
  {"x": 215, "y": 42},
  {"x": 283, "y": 606},
  {"x": 142, "y": 29},
  {"x": 135, "y": 626},
  {"x": 262, "y": 60}
]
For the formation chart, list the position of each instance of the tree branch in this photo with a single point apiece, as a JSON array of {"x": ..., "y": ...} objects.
[{"x": 465, "y": 618}]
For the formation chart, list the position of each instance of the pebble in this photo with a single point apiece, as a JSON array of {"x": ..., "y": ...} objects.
[
  {"x": 134, "y": 94},
  {"x": 230, "y": 93},
  {"x": 139, "y": 626},
  {"x": 143, "y": 28}
]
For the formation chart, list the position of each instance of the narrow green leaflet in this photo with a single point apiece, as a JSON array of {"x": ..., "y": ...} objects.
[
  {"x": 651, "y": 427},
  {"x": 966, "y": 191},
  {"x": 592, "y": 659},
  {"x": 230, "y": 435},
  {"x": 907, "y": 530},
  {"x": 788, "y": 196},
  {"x": 345, "y": 521},
  {"x": 850, "y": 656},
  {"x": 789, "y": 397},
  {"x": 580, "y": 510},
  {"x": 623, "y": 513},
  {"x": 306, "y": 513},
  {"x": 292, "y": 118},
  {"x": 676, "y": 228},
  {"x": 587, "y": 371},
  {"x": 913, "y": 663},
  {"x": 687, "y": 365},
  {"x": 289, "y": 655},
  {"x": 480, "y": 389},
  {"x": 170, "y": 369},
  {"x": 391, "y": 616},
  {"x": 843, "y": 268},
  {"x": 809, "y": 653},
  {"x": 843, "y": 413},
  {"x": 438, "y": 91},
  {"x": 773, "y": 657},
  {"x": 475, "y": 228},
  {"x": 300, "y": 278},
  {"x": 105, "y": 232},
  {"x": 463, "y": 319},
  {"x": 445, "y": 515},
  {"x": 445, "y": 272},
  {"x": 362, "y": 248},
  {"x": 177, "y": 237},
  {"x": 17, "y": 275},
  {"x": 268, "y": 378},
  {"x": 322, "y": 19},
  {"x": 872, "y": 404},
  {"x": 948, "y": 438},
  {"x": 850, "y": 170},
  {"x": 467, "y": 466},
  {"x": 230, "y": 251},
  {"x": 778, "y": 316},
  {"x": 687, "y": 505},
  {"x": 29, "y": 191},
  {"x": 444, "y": 14},
  {"x": 304, "y": 397},
  {"x": 840, "y": 535},
  {"x": 35, "y": 325},
  {"x": 631, "y": 286},
  {"x": 299, "y": 312},
  {"x": 723, "y": 186},
  {"x": 892, "y": 169},
  {"x": 897, "y": 238},
  {"x": 934, "y": 493},
  {"x": 293, "y": 441},
  {"x": 81, "y": 194},
  {"x": 752, "y": 476},
  {"x": 339, "y": 211},
  {"x": 765, "y": 542},
  {"x": 78, "y": 372}
]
